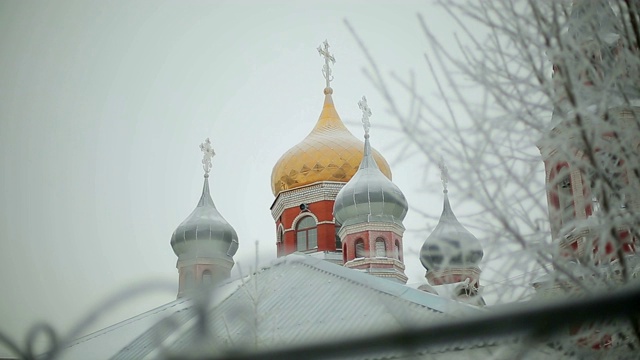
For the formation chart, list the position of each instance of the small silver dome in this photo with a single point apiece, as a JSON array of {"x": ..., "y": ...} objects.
[
  {"x": 450, "y": 245},
  {"x": 205, "y": 233},
  {"x": 369, "y": 196}
]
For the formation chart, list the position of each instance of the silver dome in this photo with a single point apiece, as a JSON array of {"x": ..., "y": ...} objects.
[
  {"x": 205, "y": 233},
  {"x": 450, "y": 245},
  {"x": 369, "y": 196}
]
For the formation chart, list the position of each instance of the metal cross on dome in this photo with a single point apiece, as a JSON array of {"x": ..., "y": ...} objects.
[
  {"x": 366, "y": 113},
  {"x": 444, "y": 174},
  {"x": 326, "y": 69},
  {"x": 207, "y": 154}
]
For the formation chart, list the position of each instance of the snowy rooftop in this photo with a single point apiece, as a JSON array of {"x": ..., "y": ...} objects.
[{"x": 297, "y": 299}]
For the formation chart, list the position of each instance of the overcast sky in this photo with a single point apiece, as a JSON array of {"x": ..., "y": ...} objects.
[{"x": 103, "y": 105}]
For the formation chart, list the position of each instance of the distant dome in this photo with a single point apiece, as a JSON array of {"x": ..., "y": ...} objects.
[
  {"x": 205, "y": 233},
  {"x": 369, "y": 195},
  {"x": 450, "y": 245},
  {"x": 329, "y": 153}
]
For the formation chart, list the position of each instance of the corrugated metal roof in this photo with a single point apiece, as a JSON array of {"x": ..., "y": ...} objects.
[
  {"x": 107, "y": 342},
  {"x": 298, "y": 299}
]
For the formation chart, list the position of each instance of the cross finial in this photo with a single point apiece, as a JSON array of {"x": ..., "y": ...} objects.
[
  {"x": 207, "y": 154},
  {"x": 366, "y": 113},
  {"x": 323, "y": 50},
  {"x": 444, "y": 175}
]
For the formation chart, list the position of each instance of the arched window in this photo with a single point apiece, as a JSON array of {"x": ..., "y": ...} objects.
[
  {"x": 360, "y": 248},
  {"x": 381, "y": 250},
  {"x": 398, "y": 254},
  {"x": 306, "y": 234},
  {"x": 207, "y": 278}
]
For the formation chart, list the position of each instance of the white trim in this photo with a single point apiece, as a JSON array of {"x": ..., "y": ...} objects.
[
  {"x": 318, "y": 191},
  {"x": 300, "y": 216},
  {"x": 371, "y": 226},
  {"x": 278, "y": 231},
  {"x": 294, "y": 226}
]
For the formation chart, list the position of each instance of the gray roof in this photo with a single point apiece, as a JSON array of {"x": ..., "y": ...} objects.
[
  {"x": 298, "y": 299},
  {"x": 205, "y": 233},
  {"x": 369, "y": 195},
  {"x": 450, "y": 244}
]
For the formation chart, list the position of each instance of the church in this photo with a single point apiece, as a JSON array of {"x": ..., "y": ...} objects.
[{"x": 338, "y": 220}]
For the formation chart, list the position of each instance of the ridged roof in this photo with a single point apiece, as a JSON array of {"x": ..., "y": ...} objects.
[
  {"x": 329, "y": 153},
  {"x": 369, "y": 195},
  {"x": 298, "y": 299},
  {"x": 450, "y": 245},
  {"x": 205, "y": 233}
]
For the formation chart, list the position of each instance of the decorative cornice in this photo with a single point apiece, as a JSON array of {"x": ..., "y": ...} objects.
[
  {"x": 371, "y": 226},
  {"x": 319, "y": 191},
  {"x": 380, "y": 267},
  {"x": 375, "y": 260}
]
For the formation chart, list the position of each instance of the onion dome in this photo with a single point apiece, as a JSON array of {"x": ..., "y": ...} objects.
[
  {"x": 369, "y": 195},
  {"x": 205, "y": 233},
  {"x": 329, "y": 153},
  {"x": 450, "y": 245}
]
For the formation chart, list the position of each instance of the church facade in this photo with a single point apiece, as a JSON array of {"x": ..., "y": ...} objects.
[{"x": 338, "y": 220}]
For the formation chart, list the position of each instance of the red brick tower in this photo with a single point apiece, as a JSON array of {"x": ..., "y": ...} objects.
[
  {"x": 589, "y": 151},
  {"x": 590, "y": 157}
]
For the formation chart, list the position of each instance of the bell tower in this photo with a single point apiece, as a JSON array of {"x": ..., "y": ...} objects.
[
  {"x": 204, "y": 242},
  {"x": 451, "y": 254},
  {"x": 589, "y": 150},
  {"x": 370, "y": 209}
]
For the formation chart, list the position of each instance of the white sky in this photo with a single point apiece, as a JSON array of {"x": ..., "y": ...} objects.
[{"x": 103, "y": 105}]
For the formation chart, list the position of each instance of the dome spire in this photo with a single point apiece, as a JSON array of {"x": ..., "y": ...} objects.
[
  {"x": 451, "y": 253},
  {"x": 204, "y": 242},
  {"x": 329, "y": 153},
  {"x": 369, "y": 195},
  {"x": 323, "y": 50},
  {"x": 369, "y": 210}
]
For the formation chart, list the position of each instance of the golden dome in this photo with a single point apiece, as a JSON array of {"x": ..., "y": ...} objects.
[{"x": 329, "y": 153}]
